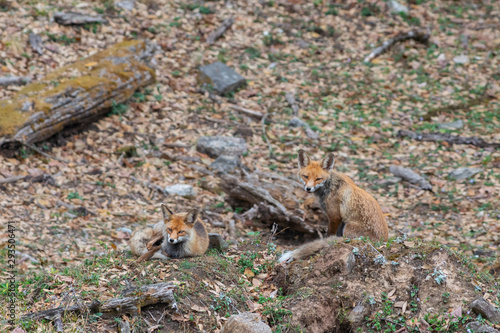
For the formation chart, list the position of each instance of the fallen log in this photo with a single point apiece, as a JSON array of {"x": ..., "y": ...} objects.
[
  {"x": 77, "y": 93},
  {"x": 275, "y": 201},
  {"x": 131, "y": 303},
  {"x": 418, "y": 36},
  {"x": 452, "y": 139}
]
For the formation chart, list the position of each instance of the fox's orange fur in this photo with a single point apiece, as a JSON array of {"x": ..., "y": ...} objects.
[
  {"x": 184, "y": 235},
  {"x": 351, "y": 211}
]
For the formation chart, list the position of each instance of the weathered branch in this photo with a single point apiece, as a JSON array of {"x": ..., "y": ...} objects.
[
  {"x": 452, "y": 139},
  {"x": 72, "y": 18},
  {"x": 14, "y": 80},
  {"x": 418, "y": 36},
  {"x": 131, "y": 303},
  {"x": 77, "y": 93},
  {"x": 249, "y": 112},
  {"x": 217, "y": 33},
  {"x": 411, "y": 177}
]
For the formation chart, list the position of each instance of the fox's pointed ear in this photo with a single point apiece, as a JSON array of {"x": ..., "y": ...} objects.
[
  {"x": 304, "y": 160},
  {"x": 166, "y": 212},
  {"x": 328, "y": 162},
  {"x": 191, "y": 216}
]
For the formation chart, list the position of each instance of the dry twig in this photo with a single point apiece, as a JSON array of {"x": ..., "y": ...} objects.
[
  {"x": 247, "y": 111},
  {"x": 451, "y": 139},
  {"x": 217, "y": 33},
  {"x": 418, "y": 36}
]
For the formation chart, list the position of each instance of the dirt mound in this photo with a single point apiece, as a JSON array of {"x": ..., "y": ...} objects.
[{"x": 355, "y": 286}]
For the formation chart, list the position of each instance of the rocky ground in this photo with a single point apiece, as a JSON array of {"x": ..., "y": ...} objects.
[{"x": 74, "y": 219}]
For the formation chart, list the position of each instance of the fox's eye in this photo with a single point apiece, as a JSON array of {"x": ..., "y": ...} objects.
[
  {"x": 169, "y": 231},
  {"x": 305, "y": 177},
  {"x": 318, "y": 179}
]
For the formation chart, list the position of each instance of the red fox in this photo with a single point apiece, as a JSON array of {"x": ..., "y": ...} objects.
[
  {"x": 178, "y": 236},
  {"x": 351, "y": 211}
]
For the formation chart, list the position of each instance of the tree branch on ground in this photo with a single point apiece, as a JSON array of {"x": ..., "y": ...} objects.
[
  {"x": 449, "y": 138},
  {"x": 419, "y": 36}
]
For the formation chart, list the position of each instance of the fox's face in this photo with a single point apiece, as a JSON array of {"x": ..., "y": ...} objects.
[
  {"x": 313, "y": 173},
  {"x": 178, "y": 227}
]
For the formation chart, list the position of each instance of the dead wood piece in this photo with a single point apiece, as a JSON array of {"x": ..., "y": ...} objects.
[
  {"x": 75, "y": 94},
  {"x": 290, "y": 98},
  {"x": 36, "y": 43},
  {"x": 14, "y": 80},
  {"x": 452, "y": 139},
  {"x": 73, "y": 18},
  {"x": 249, "y": 112},
  {"x": 130, "y": 304},
  {"x": 150, "y": 185},
  {"x": 418, "y": 36},
  {"x": 12, "y": 179},
  {"x": 217, "y": 33},
  {"x": 267, "y": 200},
  {"x": 146, "y": 256},
  {"x": 410, "y": 177}
]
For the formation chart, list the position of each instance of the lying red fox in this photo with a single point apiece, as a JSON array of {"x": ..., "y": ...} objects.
[{"x": 177, "y": 236}]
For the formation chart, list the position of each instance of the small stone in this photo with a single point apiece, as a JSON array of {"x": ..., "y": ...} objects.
[
  {"x": 245, "y": 322},
  {"x": 357, "y": 315},
  {"x": 183, "y": 190},
  {"x": 463, "y": 173},
  {"x": 477, "y": 327},
  {"x": 216, "y": 242},
  {"x": 461, "y": 59},
  {"x": 442, "y": 60},
  {"x": 458, "y": 124},
  {"x": 125, "y": 230},
  {"x": 479, "y": 46},
  {"x": 396, "y": 7},
  {"x": 126, "y": 4},
  {"x": 226, "y": 163},
  {"x": 221, "y": 77},
  {"x": 215, "y": 146},
  {"x": 485, "y": 309},
  {"x": 302, "y": 44}
]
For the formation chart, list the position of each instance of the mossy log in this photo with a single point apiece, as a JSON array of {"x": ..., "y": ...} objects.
[
  {"x": 77, "y": 93},
  {"x": 270, "y": 198}
]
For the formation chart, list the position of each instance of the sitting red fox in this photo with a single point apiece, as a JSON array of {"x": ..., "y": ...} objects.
[
  {"x": 351, "y": 211},
  {"x": 177, "y": 236}
]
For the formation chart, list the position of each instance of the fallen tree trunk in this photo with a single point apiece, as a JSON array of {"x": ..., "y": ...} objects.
[
  {"x": 275, "y": 201},
  {"x": 77, "y": 93},
  {"x": 130, "y": 304},
  {"x": 452, "y": 139},
  {"x": 418, "y": 36}
]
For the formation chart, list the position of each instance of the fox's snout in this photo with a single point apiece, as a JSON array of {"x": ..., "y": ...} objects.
[
  {"x": 173, "y": 241},
  {"x": 308, "y": 189}
]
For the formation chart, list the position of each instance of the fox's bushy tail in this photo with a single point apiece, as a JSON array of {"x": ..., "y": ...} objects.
[{"x": 308, "y": 249}]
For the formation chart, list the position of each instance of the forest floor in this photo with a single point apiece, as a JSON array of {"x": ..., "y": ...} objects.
[{"x": 68, "y": 224}]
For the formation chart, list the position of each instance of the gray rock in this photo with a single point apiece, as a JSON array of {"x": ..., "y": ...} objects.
[
  {"x": 245, "y": 322},
  {"x": 463, "y": 173},
  {"x": 485, "y": 309},
  {"x": 453, "y": 125},
  {"x": 222, "y": 78},
  {"x": 396, "y": 7},
  {"x": 126, "y": 4},
  {"x": 350, "y": 262},
  {"x": 410, "y": 176},
  {"x": 477, "y": 327},
  {"x": 216, "y": 242},
  {"x": 442, "y": 61},
  {"x": 461, "y": 59},
  {"x": 125, "y": 230},
  {"x": 226, "y": 163},
  {"x": 183, "y": 190},
  {"x": 215, "y": 146},
  {"x": 357, "y": 315}
]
